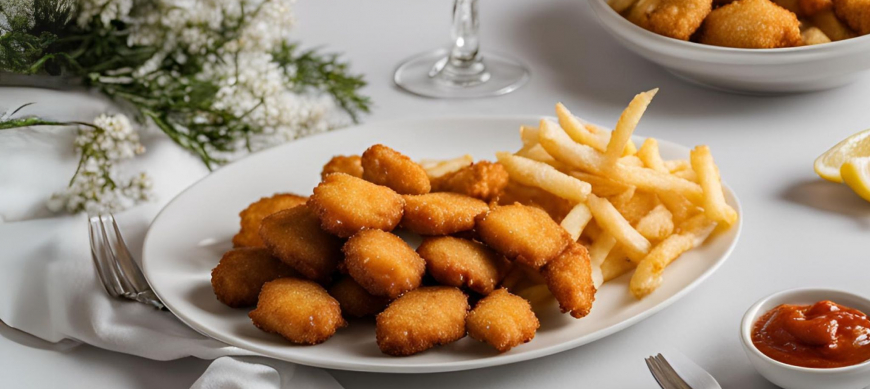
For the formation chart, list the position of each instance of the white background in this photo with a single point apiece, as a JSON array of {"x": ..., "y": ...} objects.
[{"x": 798, "y": 231}]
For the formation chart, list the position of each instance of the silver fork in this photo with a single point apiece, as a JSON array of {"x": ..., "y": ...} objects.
[
  {"x": 116, "y": 268},
  {"x": 664, "y": 373}
]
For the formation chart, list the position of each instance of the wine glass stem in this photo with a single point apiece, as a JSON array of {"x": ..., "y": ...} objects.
[{"x": 464, "y": 32}]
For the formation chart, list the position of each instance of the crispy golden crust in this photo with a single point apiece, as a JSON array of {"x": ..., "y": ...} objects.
[
  {"x": 523, "y": 233},
  {"x": 383, "y": 263},
  {"x": 569, "y": 278},
  {"x": 422, "y": 319},
  {"x": 483, "y": 180},
  {"x": 461, "y": 262},
  {"x": 555, "y": 206},
  {"x": 812, "y": 7},
  {"x": 254, "y": 214},
  {"x": 294, "y": 236},
  {"x": 347, "y": 164},
  {"x": 502, "y": 320},
  {"x": 441, "y": 213},
  {"x": 354, "y": 300},
  {"x": 385, "y": 166},
  {"x": 241, "y": 273},
  {"x": 856, "y": 13},
  {"x": 678, "y": 19},
  {"x": 346, "y": 204},
  {"x": 751, "y": 24},
  {"x": 299, "y": 310}
]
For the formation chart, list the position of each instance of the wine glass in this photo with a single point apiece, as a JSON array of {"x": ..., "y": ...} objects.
[{"x": 462, "y": 71}]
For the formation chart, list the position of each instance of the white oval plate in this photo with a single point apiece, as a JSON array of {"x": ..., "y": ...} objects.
[{"x": 188, "y": 237}]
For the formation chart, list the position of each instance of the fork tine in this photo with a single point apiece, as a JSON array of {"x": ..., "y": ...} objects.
[
  {"x": 671, "y": 373},
  {"x": 124, "y": 285},
  {"x": 128, "y": 266},
  {"x": 650, "y": 364},
  {"x": 101, "y": 259}
]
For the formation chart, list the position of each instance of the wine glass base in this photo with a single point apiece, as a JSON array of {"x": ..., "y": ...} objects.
[{"x": 416, "y": 76}]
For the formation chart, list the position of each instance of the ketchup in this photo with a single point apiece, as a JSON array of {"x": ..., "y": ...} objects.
[{"x": 822, "y": 335}]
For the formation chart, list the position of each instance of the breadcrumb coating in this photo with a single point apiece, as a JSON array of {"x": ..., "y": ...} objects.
[
  {"x": 569, "y": 278},
  {"x": 294, "y": 236},
  {"x": 422, "y": 319},
  {"x": 856, "y": 13},
  {"x": 483, "y": 180},
  {"x": 463, "y": 263},
  {"x": 253, "y": 215},
  {"x": 347, "y": 164},
  {"x": 299, "y": 310},
  {"x": 241, "y": 273},
  {"x": 354, "y": 300},
  {"x": 502, "y": 320},
  {"x": 346, "y": 204},
  {"x": 385, "y": 166},
  {"x": 752, "y": 24},
  {"x": 523, "y": 233},
  {"x": 441, "y": 213},
  {"x": 383, "y": 263},
  {"x": 678, "y": 19}
]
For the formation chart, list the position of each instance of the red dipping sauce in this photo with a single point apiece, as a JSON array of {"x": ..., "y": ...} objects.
[{"x": 822, "y": 335}]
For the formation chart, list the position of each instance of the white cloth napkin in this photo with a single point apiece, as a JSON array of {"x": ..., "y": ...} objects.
[{"x": 48, "y": 286}]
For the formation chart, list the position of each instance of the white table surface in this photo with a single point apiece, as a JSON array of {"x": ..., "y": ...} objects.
[{"x": 799, "y": 230}]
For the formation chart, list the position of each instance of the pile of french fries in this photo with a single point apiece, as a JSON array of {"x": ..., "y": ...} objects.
[{"x": 633, "y": 209}]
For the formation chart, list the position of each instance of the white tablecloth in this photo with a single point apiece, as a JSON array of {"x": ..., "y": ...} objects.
[{"x": 798, "y": 231}]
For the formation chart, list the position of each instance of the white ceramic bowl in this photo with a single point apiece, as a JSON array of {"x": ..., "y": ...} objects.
[
  {"x": 795, "y": 377},
  {"x": 767, "y": 71}
]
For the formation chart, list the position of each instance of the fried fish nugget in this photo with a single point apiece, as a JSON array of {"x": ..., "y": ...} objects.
[
  {"x": 346, "y": 204},
  {"x": 678, "y": 19},
  {"x": 254, "y": 214},
  {"x": 441, "y": 213},
  {"x": 241, "y": 273},
  {"x": 354, "y": 300},
  {"x": 294, "y": 236},
  {"x": 856, "y": 13},
  {"x": 523, "y": 233},
  {"x": 347, "y": 164},
  {"x": 503, "y": 320},
  {"x": 483, "y": 180},
  {"x": 422, "y": 319},
  {"x": 299, "y": 310},
  {"x": 569, "y": 278},
  {"x": 383, "y": 263},
  {"x": 752, "y": 24},
  {"x": 555, "y": 206},
  {"x": 385, "y": 166},
  {"x": 462, "y": 262}
]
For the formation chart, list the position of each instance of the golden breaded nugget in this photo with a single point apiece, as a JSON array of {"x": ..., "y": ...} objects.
[
  {"x": 856, "y": 13},
  {"x": 502, "y": 320},
  {"x": 385, "y": 166},
  {"x": 294, "y": 236},
  {"x": 812, "y": 7},
  {"x": 569, "y": 278},
  {"x": 752, "y": 24},
  {"x": 346, "y": 204},
  {"x": 678, "y": 19},
  {"x": 441, "y": 213},
  {"x": 523, "y": 233},
  {"x": 555, "y": 206},
  {"x": 299, "y": 310},
  {"x": 241, "y": 273},
  {"x": 422, "y": 319},
  {"x": 347, "y": 164},
  {"x": 462, "y": 262},
  {"x": 483, "y": 180},
  {"x": 383, "y": 263},
  {"x": 253, "y": 215},
  {"x": 355, "y": 301}
]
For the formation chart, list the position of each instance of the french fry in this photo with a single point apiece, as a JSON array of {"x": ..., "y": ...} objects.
[
  {"x": 649, "y": 180},
  {"x": 601, "y": 186},
  {"x": 677, "y": 165},
  {"x": 576, "y": 220},
  {"x": 621, "y": 5},
  {"x": 628, "y": 121},
  {"x": 638, "y": 206},
  {"x": 814, "y": 36},
  {"x": 538, "y": 174},
  {"x": 612, "y": 222},
  {"x": 616, "y": 265},
  {"x": 529, "y": 135},
  {"x": 832, "y": 27},
  {"x": 681, "y": 208},
  {"x": 559, "y": 145},
  {"x": 538, "y": 153},
  {"x": 578, "y": 131},
  {"x": 631, "y": 160},
  {"x": 600, "y": 248},
  {"x": 648, "y": 275},
  {"x": 715, "y": 206},
  {"x": 435, "y": 169},
  {"x": 592, "y": 231},
  {"x": 657, "y": 224},
  {"x": 649, "y": 154},
  {"x": 687, "y": 174},
  {"x": 623, "y": 198}
]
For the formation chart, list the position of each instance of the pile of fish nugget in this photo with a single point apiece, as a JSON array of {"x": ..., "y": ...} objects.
[{"x": 491, "y": 249}]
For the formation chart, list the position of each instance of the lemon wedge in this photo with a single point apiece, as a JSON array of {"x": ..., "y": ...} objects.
[
  {"x": 828, "y": 164},
  {"x": 856, "y": 174}
]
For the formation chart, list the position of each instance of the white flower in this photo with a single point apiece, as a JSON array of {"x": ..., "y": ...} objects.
[{"x": 107, "y": 10}]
